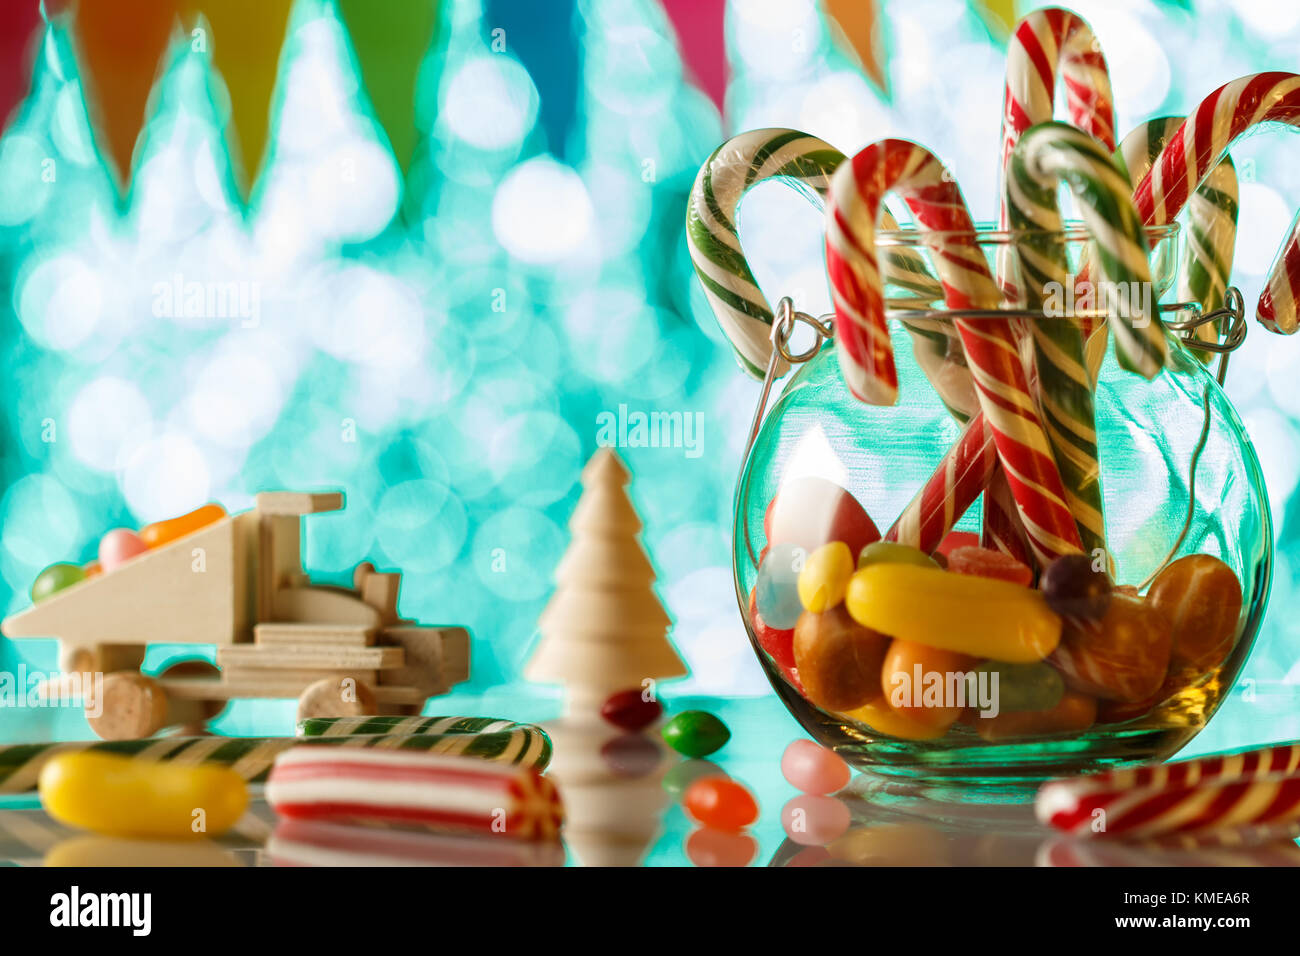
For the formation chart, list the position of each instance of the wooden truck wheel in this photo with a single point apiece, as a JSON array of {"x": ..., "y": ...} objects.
[
  {"x": 132, "y": 705},
  {"x": 336, "y": 697}
]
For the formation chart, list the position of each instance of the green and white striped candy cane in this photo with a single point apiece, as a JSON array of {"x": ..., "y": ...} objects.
[
  {"x": 1211, "y": 219},
  {"x": 742, "y": 311},
  {"x": 1047, "y": 155},
  {"x": 348, "y": 726}
]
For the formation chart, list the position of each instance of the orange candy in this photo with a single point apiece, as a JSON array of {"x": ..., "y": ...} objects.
[
  {"x": 1124, "y": 656},
  {"x": 906, "y": 690},
  {"x": 838, "y": 659},
  {"x": 720, "y": 803},
  {"x": 165, "y": 532},
  {"x": 1201, "y": 598},
  {"x": 1076, "y": 712}
]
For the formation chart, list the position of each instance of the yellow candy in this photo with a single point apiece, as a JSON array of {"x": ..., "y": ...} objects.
[
  {"x": 824, "y": 577},
  {"x": 124, "y": 796},
  {"x": 981, "y": 617},
  {"x": 124, "y": 851},
  {"x": 882, "y": 718}
]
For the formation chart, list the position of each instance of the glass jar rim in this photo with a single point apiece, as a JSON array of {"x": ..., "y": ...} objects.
[{"x": 990, "y": 234}]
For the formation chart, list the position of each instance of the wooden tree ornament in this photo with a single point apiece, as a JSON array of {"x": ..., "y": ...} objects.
[{"x": 604, "y": 630}]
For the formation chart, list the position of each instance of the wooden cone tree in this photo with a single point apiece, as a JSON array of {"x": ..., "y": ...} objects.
[{"x": 604, "y": 629}]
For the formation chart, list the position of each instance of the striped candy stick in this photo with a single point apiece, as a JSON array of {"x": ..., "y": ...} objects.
[
  {"x": 1047, "y": 155},
  {"x": 309, "y": 782},
  {"x": 349, "y": 726},
  {"x": 251, "y": 757},
  {"x": 1199, "y": 145},
  {"x": 712, "y": 230},
  {"x": 299, "y": 843},
  {"x": 858, "y": 190},
  {"x": 960, "y": 478},
  {"x": 1211, "y": 219},
  {"x": 1279, "y": 760},
  {"x": 1145, "y": 813},
  {"x": 1280, "y": 300}
]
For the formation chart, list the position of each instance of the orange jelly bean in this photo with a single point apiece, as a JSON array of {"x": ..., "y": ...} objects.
[
  {"x": 720, "y": 803},
  {"x": 165, "y": 532}
]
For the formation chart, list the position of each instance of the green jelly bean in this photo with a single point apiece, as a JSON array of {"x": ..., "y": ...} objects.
[
  {"x": 687, "y": 772},
  {"x": 1022, "y": 687},
  {"x": 55, "y": 578},
  {"x": 890, "y": 552},
  {"x": 695, "y": 733}
]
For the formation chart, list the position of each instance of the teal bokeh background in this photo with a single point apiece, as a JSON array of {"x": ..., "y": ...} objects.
[{"x": 446, "y": 369}]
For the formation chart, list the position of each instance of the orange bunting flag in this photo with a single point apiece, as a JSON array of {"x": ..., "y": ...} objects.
[
  {"x": 859, "y": 30},
  {"x": 243, "y": 39},
  {"x": 119, "y": 46},
  {"x": 390, "y": 40}
]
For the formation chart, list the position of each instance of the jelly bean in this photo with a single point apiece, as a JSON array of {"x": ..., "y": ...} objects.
[
  {"x": 118, "y": 547},
  {"x": 952, "y": 541},
  {"x": 1036, "y": 686},
  {"x": 809, "y": 512},
  {"x": 1124, "y": 656},
  {"x": 630, "y": 710},
  {"x": 810, "y": 856},
  {"x": 777, "y": 587},
  {"x": 92, "y": 569},
  {"x": 824, "y": 577},
  {"x": 811, "y": 820},
  {"x": 54, "y": 579},
  {"x": 883, "y": 719},
  {"x": 631, "y": 755},
  {"x": 679, "y": 778},
  {"x": 695, "y": 733},
  {"x": 813, "y": 768},
  {"x": 890, "y": 552},
  {"x": 1074, "y": 587},
  {"x": 1181, "y": 677},
  {"x": 1074, "y": 713},
  {"x": 926, "y": 683},
  {"x": 122, "y": 796},
  {"x": 838, "y": 659},
  {"x": 1201, "y": 598},
  {"x": 778, "y": 642},
  {"x": 956, "y": 612},
  {"x": 720, "y": 803},
  {"x": 100, "y": 851},
  {"x": 988, "y": 563},
  {"x": 164, "y": 532},
  {"x": 709, "y": 847}
]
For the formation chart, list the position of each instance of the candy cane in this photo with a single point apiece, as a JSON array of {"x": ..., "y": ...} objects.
[
  {"x": 954, "y": 486},
  {"x": 746, "y": 317},
  {"x": 858, "y": 190},
  {"x": 1279, "y": 760},
  {"x": 413, "y": 789},
  {"x": 1045, "y": 156},
  {"x": 1211, "y": 218},
  {"x": 1280, "y": 300},
  {"x": 1199, "y": 145},
  {"x": 1272, "y": 802}
]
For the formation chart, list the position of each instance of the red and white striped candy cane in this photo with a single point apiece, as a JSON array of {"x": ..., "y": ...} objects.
[
  {"x": 857, "y": 193},
  {"x": 1198, "y": 146},
  {"x": 400, "y": 788},
  {"x": 1146, "y": 813},
  {"x": 1045, "y": 43},
  {"x": 1280, "y": 760},
  {"x": 954, "y": 486}
]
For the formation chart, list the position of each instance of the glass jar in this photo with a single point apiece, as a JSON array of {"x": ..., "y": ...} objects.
[{"x": 1179, "y": 477}]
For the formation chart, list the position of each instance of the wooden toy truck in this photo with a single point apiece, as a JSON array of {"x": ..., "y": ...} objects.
[{"x": 239, "y": 584}]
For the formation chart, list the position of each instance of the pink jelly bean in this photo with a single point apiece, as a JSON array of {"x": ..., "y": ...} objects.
[
  {"x": 814, "y": 769},
  {"x": 810, "y": 820},
  {"x": 119, "y": 546}
]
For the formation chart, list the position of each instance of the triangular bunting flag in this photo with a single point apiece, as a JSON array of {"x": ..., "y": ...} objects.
[
  {"x": 390, "y": 40},
  {"x": 858, "y": 23},
  {"x": 244, "y": 43},
  {"x": 701, "y": 36},
  {"x": 20, "y": 31},
  {"x": 120, "y": 46}
]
